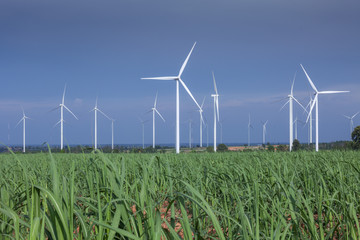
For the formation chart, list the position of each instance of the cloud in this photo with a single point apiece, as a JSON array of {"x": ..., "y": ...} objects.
[{"x": 78, "y": 102}]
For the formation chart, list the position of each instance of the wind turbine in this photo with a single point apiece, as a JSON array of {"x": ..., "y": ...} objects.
[
  {"x": 154, "y": 110},
  {"x": 178, "y": 80},
  {"x": 351, "y": 121},
  {"x": 143, "y": 123},
  {"x": 264, "y": 131},
  {"x": 201, "y": 120},
  {"x": 23, "y": 119},
  {"x": 296, "y": 126},
  {"x": 96, "y": 109},
  {"x": 290, "y": 101},
  {"x": 316, "y": 101},
  {"x": 249, "y": 126},
  {"x": 62, "y": 106},
  {"x": 216, "y": 109}
]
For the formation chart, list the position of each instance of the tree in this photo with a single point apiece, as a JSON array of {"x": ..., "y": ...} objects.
[
  {"x": 355, "y": 136},
  {"x": 222, "y": 147},
  {"x": 296, "y": 145},
  {"x": 210, "y": 149}
]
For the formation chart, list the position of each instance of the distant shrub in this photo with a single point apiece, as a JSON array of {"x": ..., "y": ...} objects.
[
  {"x": 222, "y": 148},
  {"x": 271, "y": 148},
  {"x": 282, "y": 148},
  {"x": 210, "y": 149}
]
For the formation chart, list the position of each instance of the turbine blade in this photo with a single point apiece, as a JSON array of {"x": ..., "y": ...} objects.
[
  {"x": 71, "y": 112},
  {"x": 54, "y": 109},
  {"x": 214, "y": 83},
  {"x": 312, "y": 106},
  {"x": 330, "y": 92},
  {"x": 19, "y": 122},
  {"x": 188, "y": 91},
  {"x": 299, "y": 104},
  {"x": 63, "y": 98},
  {"x": 104, "y": 114},
  {"x": 155, "y": 100},
  {"x": 160, "y": 78},
  {"x": 186, "y": 60},
  {"x": 279, "y": 100},
  {"x": 202, "y": 104},
  {"x": 159, "y": 114},
  {"x": 311, "y": 83},
  {"x": 355, "y": 114},
  {"x": 202, "y": 119},
  {"x": 56, "y": 123},
  {"x": 292, "y": 85},
  {"x": 347, "y": 117},
  {"x": 284, "y": 105}
]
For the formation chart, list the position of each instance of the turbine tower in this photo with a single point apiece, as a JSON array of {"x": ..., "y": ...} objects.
[
  {"x": 264, "y": 132},
  {"x": 351, "y": 121},
  {"x": 62, "y": 106},
  {"x": 290, "y": 101},
  {"x": 316, "y": 101},
  {"x": 154, "y": 110},
  {"x": 201, "y": 121},
  {"x": 178, "y": 80},
  {"x": 216, "y": 109},
  {"x": 96, "y": 109},
  {"x": 23, "y": 119},
  {"x": 249, "y": 126}
]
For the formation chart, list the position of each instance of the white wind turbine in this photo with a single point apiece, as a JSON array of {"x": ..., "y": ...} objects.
[
  {"x": 249, "y": 126},
  {"x": 264, "y": 131},
  {"x": 316, "y": 101},
  {"x": 154, "y": 110},
  {"x": 96, "y": 109},
  {"x": 290, "y": 101},
  {"x": 296, "y": 126},
  {"x": 23, "y": 119},
  {"x": 216, "y": 109},
  {"x": 351, "y": 121},
  {"x": 62, "y": 106},
  {"x": 201, "y": 121},
  {"x": 178, "y": 80}
]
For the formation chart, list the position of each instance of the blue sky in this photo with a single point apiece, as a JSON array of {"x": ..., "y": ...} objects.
[{"x": 103, "y": 48}]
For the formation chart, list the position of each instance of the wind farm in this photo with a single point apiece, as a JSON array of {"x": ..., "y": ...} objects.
[{"x": 179, "y": 120}]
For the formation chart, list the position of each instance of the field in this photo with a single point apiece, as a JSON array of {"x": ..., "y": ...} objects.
[{"x": 252, "y": 195}]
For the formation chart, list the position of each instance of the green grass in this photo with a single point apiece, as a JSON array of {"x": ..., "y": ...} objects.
[{"x": 255, "y": 195}]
